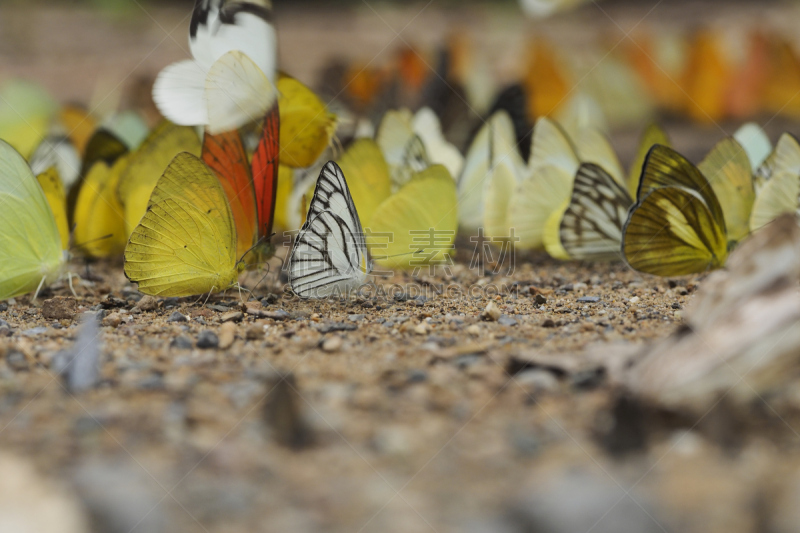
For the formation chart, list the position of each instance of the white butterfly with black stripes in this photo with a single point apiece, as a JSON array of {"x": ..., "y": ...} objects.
[
  {"x": 590, "y": 228},
  {"x": 229, "y": 82},
  {"x": 329, "y": 256}
]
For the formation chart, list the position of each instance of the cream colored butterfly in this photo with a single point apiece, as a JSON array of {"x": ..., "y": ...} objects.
[{"x": 777, "y": 183}]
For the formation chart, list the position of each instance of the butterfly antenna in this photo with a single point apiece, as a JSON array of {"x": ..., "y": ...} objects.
[
  {"x": 258, "y": 242},
  {"x": 401, "y": 255},
  {"x": 71, "y": 288},
  {"x": 36, "y": 294},
  {"x": 262, "y": 279},
  {"x": 81, "y": 245}
]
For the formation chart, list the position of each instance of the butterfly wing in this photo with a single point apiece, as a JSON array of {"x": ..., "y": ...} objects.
[
  {"x": 755, "y": 142},
  {"x": 779, "y": 195},
  {"x": 652, "y": 136},
  {"x": 265, "y": 171},
  {"x": 727, "y": 169},
  {"x": 147, "y": 164},
  {"x": 329, "y": 256},
  {"x": 591, "y": 226},
  {"x": 785, "y": 157},
  {"x": 30, "y": 244},
  {"x": 368, "y": 176},
  {"x": 53, "y": 189},
  {"x": 185, "y": 243},
  {"x": 226, "y": 156},
  {"x": 57, "y": 151},
  {"x": 98, "y": 216},
  {"x": 676, "y": 226},
  {"x": 306, "y": 125}
]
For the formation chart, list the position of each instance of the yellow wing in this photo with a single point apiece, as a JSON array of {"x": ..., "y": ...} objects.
[
  {"x": 79, "y": 125},
  {"x": 676, "y": 226},
  {"x": 367, "y": 176},
  {"x": 727, "y": 169},
  {"x": 26, "y": 110},
  {"x": 99, "y": 216},
  {"x": 779, "y": 195},
  {"x": 594, "y": 147},
  {"x": 671, "y": 232},
  {"x": 784, "y": 158},
  {"x": 53, "y": 189},
  {"x": 420, "y": 216},
  {"x": 30, "y": 244},
  {"x": 307, "y": 126},
  {"x": 653, "y": 135},
  {"x": 536, "y": 198},
  {"x": 186, "y": 242},
  {"x": 505, "y": 173},
  {"x": 147, "y": 164},
  {"x": 285, "y": 184}
]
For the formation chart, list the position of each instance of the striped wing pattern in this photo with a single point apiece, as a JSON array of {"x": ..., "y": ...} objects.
[
  {"x": 329, "y": 257},
  {"x": 591, "y": 228}
]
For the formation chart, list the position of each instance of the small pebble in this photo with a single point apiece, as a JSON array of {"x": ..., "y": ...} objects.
[
  {"x": 254, "y": 333},
  {"x": 634, "y": 299},
  {"x": 474, "y": 330},
  {"x": 332, "y": 344},
  {"x": 355, "y": 318},
  {"x": 3, "y": 307},
  {"x": 422, "y": 328},
  {"x": 588, "y": 299},
  {"x": 506, "y": 320},
  {"x": 227, "y": 334},
  {"x": 207, "y": 340},
  {"x": 548, "y": 323},
  {"x": 59, "y": 308},
  {"x": 232, "y": 316},
  {"x": 182, "y": 343},
  {"x": 147, "y": 303},
  {"x": 16, "y": 361},
  {"x": 539, "y": 299},
  {"x": 492, "y": 312},
  {"x": 269, "y": 299},
  {"x": 33, "y": 332},
  {"x": 177, "y": 316}
]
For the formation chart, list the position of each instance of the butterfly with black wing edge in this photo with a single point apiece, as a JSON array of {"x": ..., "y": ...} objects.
[{"x": 329, "y": 257}]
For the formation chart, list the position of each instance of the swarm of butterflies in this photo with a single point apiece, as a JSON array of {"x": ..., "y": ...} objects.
[{"x": 245, "y": 149}]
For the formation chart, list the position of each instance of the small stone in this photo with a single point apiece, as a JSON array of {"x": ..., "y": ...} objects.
[
  {"x": 112, "y": 302},
  {"x": 227, "y": 334},
  {"x": 169, "y": 303},
  {"x": 539, "y": 299},
  {"x": 269, "y": 299},
  {"x": 59, "y": 308},
  {"x": 34, "y": 332},
  {"x": 177, "y": 316},
  {"x": 588, "y": 299},
  {"x": 332, "y": 344},
  {"x": 367, "y": 305},
  {"x": 3, "y": 307},
  {"x": 283, "y": 411},
  {"x": 254, "y": 333},
  {"x": 232, "y": 316},
  {"x": 219, "y": 308},
  {"x": 506, "y": 320},
  {"x": 548, "y": 323},
  {"x": 113, "y": 320},
  {"x": 182, "y": 343},
  {"x": 422, "y": 328},
  {"x": 492, "y": 312},
  {"x": 336, "y": 326},
  {"x": 16, "y": 361},
  {"x": 634, "y": 299},
  {"x": 356, "y": 318},
  {"x": 147, "y": 303},
  {"x": 207, "y": 340},
  {"x": 474, "y": 330},
  {"x": 676, "y": 305}
]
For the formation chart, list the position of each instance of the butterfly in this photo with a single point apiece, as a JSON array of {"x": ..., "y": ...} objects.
[
  {"x": 231, "y": 79},
  {"x": 686, "y": 218},
  {"x": 31, "y": 250},
  {"x": 547, "y": 185},
  {"x": 185, "y": 244},
  {"x": 777, "y": 183},
  {"x": 589, "y": 226},
  {"x": 251, "y": 189},
  {"x": 26, "y": 111},
  {"x": 307, "y": 126},
  {"x": 146, "y": 165},
  {"x": 329, "y": 256}
]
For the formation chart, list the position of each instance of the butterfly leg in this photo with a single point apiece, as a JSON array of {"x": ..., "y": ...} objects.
[
  {"x": 71, "y": 288},
  {"x": 36, "y": 294}
]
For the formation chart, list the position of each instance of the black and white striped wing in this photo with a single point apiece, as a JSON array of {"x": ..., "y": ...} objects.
[
  {"x": 591, "y": 228},
  {"x": 329, "y": 257}
]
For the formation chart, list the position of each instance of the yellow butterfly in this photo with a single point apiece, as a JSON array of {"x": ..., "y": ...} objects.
[
  {"x": 26, "y": 110},
  {"x": 146, "y": 165},
  {"x": 31, "y": 250},
  {"x": 185, "y": 244},
  {"x": 307, "y": 126},
  {"x": 686, "y": 218},
  {"x": 777, "y": 183}
]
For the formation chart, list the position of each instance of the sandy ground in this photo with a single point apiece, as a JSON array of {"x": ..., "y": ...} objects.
[{"x": 378, "y": 414}]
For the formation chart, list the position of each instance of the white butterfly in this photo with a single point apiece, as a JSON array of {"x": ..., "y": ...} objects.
[
  {"x": 230, "y": 80},
  {"x": 329, "y": 257}
]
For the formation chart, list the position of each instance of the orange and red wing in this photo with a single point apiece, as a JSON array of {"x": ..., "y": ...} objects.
[
  {"x": 265, "y": 171},
  {"x": 225, "y": 154}
]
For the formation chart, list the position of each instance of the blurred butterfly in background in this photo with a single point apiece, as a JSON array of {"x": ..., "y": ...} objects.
[
  {"x": 32, "y": 254},
  {"x": 230, "y": 80},
  {"x": 687, "y": 218},
  {"x": 329, "y": 256},
  {"x": 777, "y": 183}
]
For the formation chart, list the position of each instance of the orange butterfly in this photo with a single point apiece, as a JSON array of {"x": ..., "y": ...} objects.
[{"x": 250, "y": 190}]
